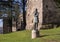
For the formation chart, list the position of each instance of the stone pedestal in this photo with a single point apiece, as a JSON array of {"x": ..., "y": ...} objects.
[{"x": 34, "y": 35}]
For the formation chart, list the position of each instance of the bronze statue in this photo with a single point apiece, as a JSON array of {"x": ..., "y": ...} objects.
[{"x": 36, "y": 19}]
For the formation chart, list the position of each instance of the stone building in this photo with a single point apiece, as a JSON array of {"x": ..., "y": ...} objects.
[{"x": 48, "y": 13}]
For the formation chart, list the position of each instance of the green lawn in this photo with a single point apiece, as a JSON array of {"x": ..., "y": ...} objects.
[{"x": 51, "y": 35}]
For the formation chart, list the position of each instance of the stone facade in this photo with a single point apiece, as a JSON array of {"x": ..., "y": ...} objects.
[
  {"x": 31, "y": 6},
  {"x": 48, "y": 13}
]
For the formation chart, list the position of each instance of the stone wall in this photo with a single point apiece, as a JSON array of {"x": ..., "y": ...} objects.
[
  {"x": 48, "y": 13},
  {"x": 31, "y": 6}
]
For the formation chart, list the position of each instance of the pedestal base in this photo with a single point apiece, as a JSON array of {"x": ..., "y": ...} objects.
[{"x": 35, "y": 33}]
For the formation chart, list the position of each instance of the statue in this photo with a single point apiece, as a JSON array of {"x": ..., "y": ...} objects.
[
  {"x": 35, "y": 32},
  {"x": 36, "y": 19}
]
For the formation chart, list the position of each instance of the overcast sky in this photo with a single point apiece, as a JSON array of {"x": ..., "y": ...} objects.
[{"x": 1, "y": 23}]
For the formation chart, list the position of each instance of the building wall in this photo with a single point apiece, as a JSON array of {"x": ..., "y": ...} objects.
[
  {"x": 50, "y": 14},
  {"x": 31, "y": 6},
  {"x": 47, "y": 13}
]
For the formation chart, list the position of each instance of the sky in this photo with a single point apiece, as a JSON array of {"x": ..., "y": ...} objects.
[
  {"x": 1, "y": 22},
  {"x": 18, "y": 0}
]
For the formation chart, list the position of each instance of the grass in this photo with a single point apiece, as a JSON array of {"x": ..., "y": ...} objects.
[{"x": 50, "y": 35}]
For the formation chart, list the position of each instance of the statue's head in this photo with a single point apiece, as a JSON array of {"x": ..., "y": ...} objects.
[{"x": 36, "y": 9}]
